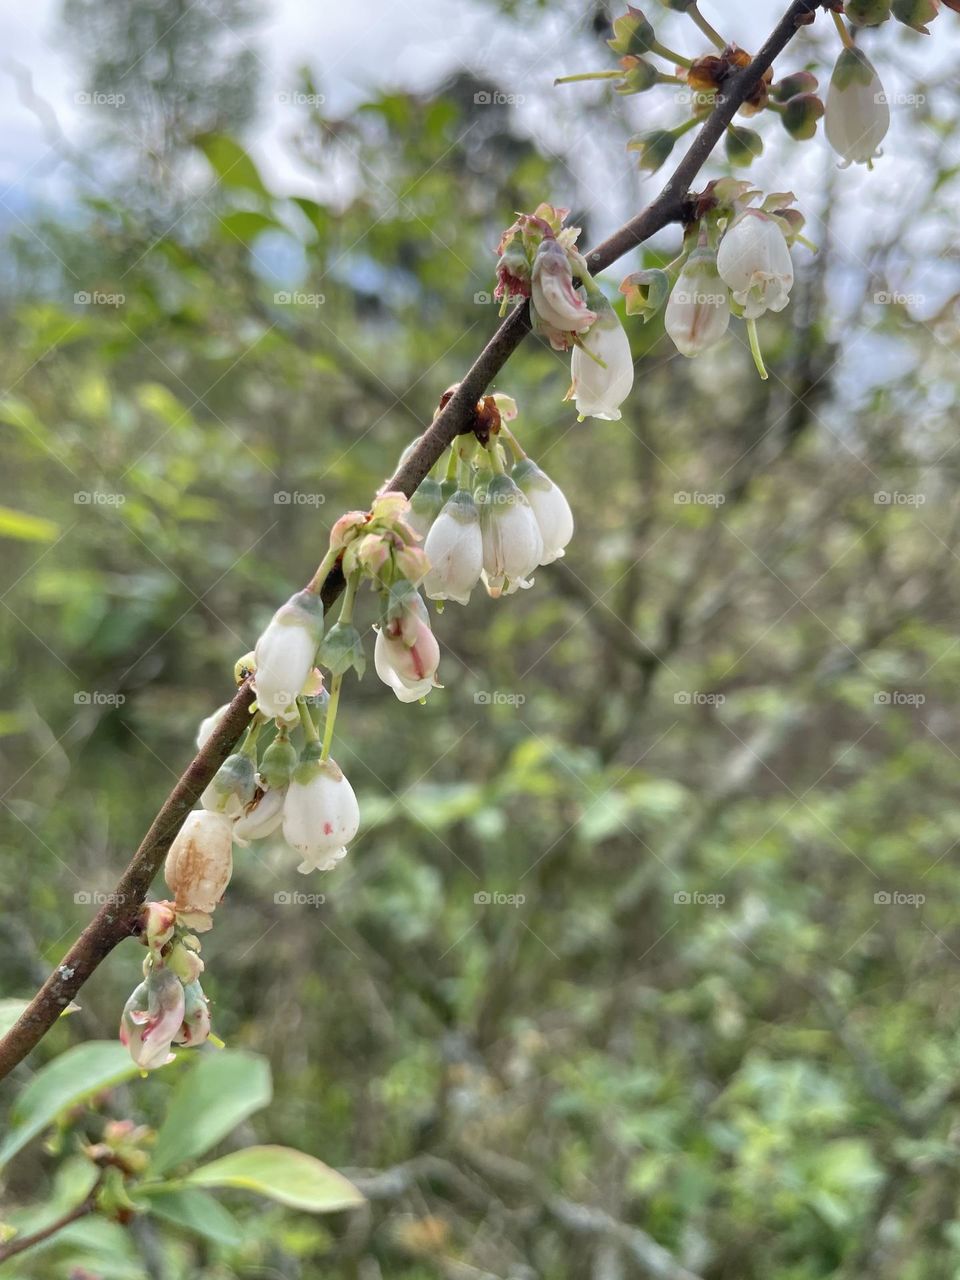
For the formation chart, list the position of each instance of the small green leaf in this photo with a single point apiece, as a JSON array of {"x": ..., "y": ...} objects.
[
  {"x": 209, "y": 1101},
  {"x": 73, "y": 1076},
  {"x": 194, "y": 1210},
  {"x": 247, "y": 224},
  {"x": 20, "y": 524},
  {"x": 341, "y": 648},
  {"x": 290, "y": 1177},
  {"x": 231, "y": 163}
]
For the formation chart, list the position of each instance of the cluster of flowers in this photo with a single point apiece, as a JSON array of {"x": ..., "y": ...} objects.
[
  {"x": 856, "y": 114},
  {"x": 538, "y": 259},
  {"x": 478, "y": 522},
  {"x": 735, "y": 261}
]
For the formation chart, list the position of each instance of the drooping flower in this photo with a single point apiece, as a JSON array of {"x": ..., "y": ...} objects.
[
  {"x": 232, "y": 787},
  {"x": 406, "y": 654},
  {"x": 195, "y": 1024},
  {"x": 454, "y": 547},
  {"x": 262, "y": 819},
  {"x": 857, "y": 115},
  {"x": 512, "y": 542},
  {"x": 698, "y": 312},
  {"x": 601, "y": 367},
  {"x": 200, "y": 862},
  {"x": 425, "y": 506},
  {"x": 550, "y": 508},
  {"x": 754, "y": 261},
  {"x": 554, "y": 298},
  {"x": 285, "y": 653},
  {"x": 152, "y": 1017},
  {"x": 320, "y": 813}
]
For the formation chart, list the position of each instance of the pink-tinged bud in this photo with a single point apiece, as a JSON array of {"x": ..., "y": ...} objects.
[
  {"x": 512, "y": 543},
  {"x": 157, "y": 920},
  {"x": 320, "y": 815},
  {"x": 555, "y": 300},
  {"x": 412, "y": 564},
  {"x": 371, "y": 554},
  {"x": 550, "y": 508},
  {"x": 390, "y": 506},
  {"x": 754, "y": 261},
  {"x": 454, "y": 549},
  {"x": 349, "y": 526},
  {"x": 151, "y": 1018},
  {"x": 698, "y": 313},
  {"x": 406, "y": 653},
  {"x": 195, "y": 1027},
  {"x": 601, "y": 368},
  {"x": 200, "y": 861},
  {"x": 285, "y": 653}
]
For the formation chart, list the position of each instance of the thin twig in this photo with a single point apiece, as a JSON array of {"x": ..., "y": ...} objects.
[{"x": 116, "y": 920}]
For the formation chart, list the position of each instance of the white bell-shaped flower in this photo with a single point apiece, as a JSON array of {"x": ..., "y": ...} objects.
[
  {"x": 601, "y": 368},
  {"x": 285, "y": 653},
  {"x": 406, "y": 654},
  {"x": 454, "y": 547},
  {"x": 262, "y": 819},
  {"x": 754, "y": 261},
  {"x": 320, "y": 814},
  {"x": 554, "y": 298},
  {"x": 857, "y": 116},
  {"x": 698, "y": 311},
  {"x": 550, "y": 508},
  {"x": 200, "y": 861},
  {"x": 512, "y": 542}
]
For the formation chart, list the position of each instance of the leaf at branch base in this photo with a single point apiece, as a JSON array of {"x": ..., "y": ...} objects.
[
  {"x": 290, "y": 1177},
  {"x": 196, "y": 1211}
]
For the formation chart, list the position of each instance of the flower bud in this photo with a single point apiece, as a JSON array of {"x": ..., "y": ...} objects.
[
  {"x": 601, "y": 367},
  {"x": 195, "y": 1026},
  {"x": 754, "y": 261},
  {"x": 866, "y": 13},
  {"x": 200, "y": 861},
  {"x": 638, "y": 76},
  {"x": 320, "y": 814},
  {"x": 207, "y": 727},
  {"x": 512, "y": 542},
  {"x": 800, "y": 116},
  {"x": 185, "y": 962},
  {"x": 796, "y": 83},
  {"x": 513, "y": 271},
  {"x": 454, "y": 548},
  {"x": 157, "y": 920},
  {"x": 698, "y": 312},
  {"x": 554, "y": 298},
  {"x": 151, "y": 1018},
  {"x": 262, "y": 820},
  {"x": 742, "y": 145},
  {"x": 350, "y": 525},
  {"x": 646, "y": 292},
  {"x": 653, "y": 148},
  {"x": 916, "y": 13},
  {"x": 278, "y": 762},
  {"x": 285, "y": 653},
  {"x": 549, "y": 505},
  {"x": 406, "y": 654},
  {"x": 232, "y": 786},
  {"x": 857, "y": 116}
]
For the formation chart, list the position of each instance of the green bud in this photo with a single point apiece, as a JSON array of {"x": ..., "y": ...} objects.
[
  {"x": 639, "y": 78},
  {"x": 867, "y": 13},
  {"x": 646, "y": 292},
  {"x": 790, "y": 86},
  {"x": 801, "y": 114},
  {"x": 633, "y": 34},
  {"x": 742, "y": 145},
  {"x": 916, "y": 13},
  {"x": 653, "y": 148},
  {"x": 279, "y": 761}
]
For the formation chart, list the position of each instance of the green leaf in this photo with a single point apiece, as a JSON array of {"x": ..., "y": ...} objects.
[
  {"x": 209, "y": 1101},
  {"x": 73, "y": 1076},
  {"x": 290, "y": 1177},
  {"x": 342, "y": 648},
  {"x": 19, "y": 524},
  {"x": 247, "y": 224},
  {"x": 194, "y": 1210},
  {"x": 231, "y": 163}
]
